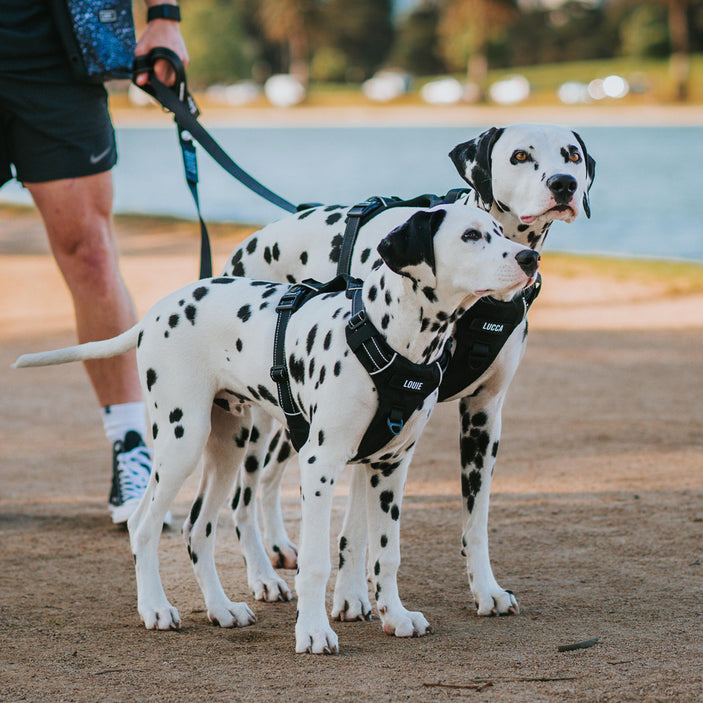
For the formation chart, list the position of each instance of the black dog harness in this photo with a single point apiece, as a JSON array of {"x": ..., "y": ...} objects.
[
  {"x": 482, "y": 330},
  {"x": 480, "y": 334},
  {"x": 402, "y": 385}
]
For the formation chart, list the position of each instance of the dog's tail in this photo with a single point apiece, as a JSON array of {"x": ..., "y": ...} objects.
[{"x": 82, "y": 352}]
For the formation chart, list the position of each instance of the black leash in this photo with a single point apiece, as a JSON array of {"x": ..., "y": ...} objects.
[{"x": 178, "y": 100}]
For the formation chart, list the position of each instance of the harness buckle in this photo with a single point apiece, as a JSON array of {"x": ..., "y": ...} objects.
[
  {"x": 360, "y": 208},
  {"x": 288, "y": 301},
  {"x": 279, "y": 374},
  {"x": 395, "y": 421},
  {"x": 357, "y": 320}
]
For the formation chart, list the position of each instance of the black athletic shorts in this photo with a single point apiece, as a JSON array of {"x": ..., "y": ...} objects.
[{"x": 54, "y": 130}]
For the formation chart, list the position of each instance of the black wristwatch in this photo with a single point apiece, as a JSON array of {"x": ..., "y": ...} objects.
[{"x": 164, "y": 12}]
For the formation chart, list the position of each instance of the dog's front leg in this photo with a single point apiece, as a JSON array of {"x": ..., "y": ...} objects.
[
  {"x": 318, "y": 474},
  {"x": 480, "y": 436},
  {"x": 384, "y": 501},
  {"x": 223, "y": 454},
  {"x": 351, "y": 591}
]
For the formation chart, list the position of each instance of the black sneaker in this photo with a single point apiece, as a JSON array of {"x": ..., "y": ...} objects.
[{"x": 131, "y": 467}]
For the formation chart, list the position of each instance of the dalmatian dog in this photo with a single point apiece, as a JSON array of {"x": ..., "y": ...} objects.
[
  {"x": 526, "y": 176},
  {"x": 204, "y": 356}
]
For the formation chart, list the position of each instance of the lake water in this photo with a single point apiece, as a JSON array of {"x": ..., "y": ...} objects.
[{"x": 645, "y": 201}]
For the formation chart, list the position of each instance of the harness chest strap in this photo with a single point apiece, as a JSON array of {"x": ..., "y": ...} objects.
[{"x": 402, "y": 385}]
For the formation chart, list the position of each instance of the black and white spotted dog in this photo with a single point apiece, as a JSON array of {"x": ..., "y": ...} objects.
[
  {"x": 526, "y": 176},
  {"x": 205, "y": 354}
]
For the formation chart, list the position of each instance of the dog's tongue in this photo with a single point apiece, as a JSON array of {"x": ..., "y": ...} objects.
[{"x": 527, "y": 219}]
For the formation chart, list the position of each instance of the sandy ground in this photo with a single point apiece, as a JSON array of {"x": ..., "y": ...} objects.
[{"x": 596, "y": 521}]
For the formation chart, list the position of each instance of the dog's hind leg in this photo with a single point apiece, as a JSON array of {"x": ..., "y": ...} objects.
[
  {"x": 263, "y": 580},
  {"x": 178, "y": 446},
  {"x": 281, "y": 550},
  {"x": 384, "y": 500},
  {"x": 480, "y": 436},
  {"x": 351, "y": 591},
  {"x": 223, "y": 454}
]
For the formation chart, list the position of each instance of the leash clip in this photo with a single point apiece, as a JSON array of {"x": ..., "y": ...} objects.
[{"x": 395, "y": 421}]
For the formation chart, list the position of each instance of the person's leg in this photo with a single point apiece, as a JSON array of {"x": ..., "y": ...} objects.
[{"x": 77, "y": 213}]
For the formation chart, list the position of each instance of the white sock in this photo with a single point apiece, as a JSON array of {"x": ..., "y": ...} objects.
[{"x": 119, "y": 419}]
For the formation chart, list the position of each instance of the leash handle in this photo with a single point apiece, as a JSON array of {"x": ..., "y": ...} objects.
[{"x": 146, "y": 64}]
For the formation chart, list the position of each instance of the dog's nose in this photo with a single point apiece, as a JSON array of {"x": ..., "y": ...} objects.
[
  {"x": 528, "y": 261},
  {"x": 563, "y": 187}
]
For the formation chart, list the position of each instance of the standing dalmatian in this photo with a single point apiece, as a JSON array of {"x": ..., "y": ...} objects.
[
  {"x": 524, "y": 175},
  {"x": 205, "y": 358}
]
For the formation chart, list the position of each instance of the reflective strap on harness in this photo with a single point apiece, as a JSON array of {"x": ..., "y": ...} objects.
[
  {"x": 298, "y": 428},
  {"x": 292, "y": 300},
  {"x": 354, "y": 221}
]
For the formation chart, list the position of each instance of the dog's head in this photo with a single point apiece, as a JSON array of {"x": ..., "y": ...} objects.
[
  {"x": 458, "y": 251},
  {"x": 534, "y": 172}
]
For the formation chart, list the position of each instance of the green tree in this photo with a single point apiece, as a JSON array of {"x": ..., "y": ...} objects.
[
  {"x": 655, "y": 28},
  {"x": 466, "y": 30},
  {"x": 416, "y": 46},
  {"x": 291, "y": 24},
  {"x": 219, "y": 46},
  {"x": 361, "y": 30}
]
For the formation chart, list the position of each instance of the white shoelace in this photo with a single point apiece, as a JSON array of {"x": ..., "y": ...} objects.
[{"x": 132, "y": 472}]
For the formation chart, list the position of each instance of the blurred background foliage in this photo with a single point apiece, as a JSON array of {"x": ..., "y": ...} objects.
[{"x": 347, "y": 41}]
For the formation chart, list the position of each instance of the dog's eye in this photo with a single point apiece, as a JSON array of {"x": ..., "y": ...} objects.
[
  {"x": 520, "y": 156},
  {"x": 471, "y": 235},
  {"x": 575, "y": 157}
]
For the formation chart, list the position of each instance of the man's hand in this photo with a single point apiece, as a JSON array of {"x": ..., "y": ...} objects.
[{"x": 166, "y": 33}]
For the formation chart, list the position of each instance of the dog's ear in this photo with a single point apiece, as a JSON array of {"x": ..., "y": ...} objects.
[
  {"x": 409, "y": 248},
  {"x": 590, "y": 174},
  {"x": 473, "y": 161}
]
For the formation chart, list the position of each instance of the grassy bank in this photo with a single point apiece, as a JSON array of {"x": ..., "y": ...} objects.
[{"x": 671, "y": 277}]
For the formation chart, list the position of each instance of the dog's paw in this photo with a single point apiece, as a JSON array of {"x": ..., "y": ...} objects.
[
  {"x": 283, "y": 555},
  {"x": 315, "y": 640},
  {"x": 163, "y": 617},
  {"x": 231, "y": 614},
  {"x": 496, "y": 601},
  {"x": 271, "y": 590},
  {"x": 404, "y": 623},
  {"x": 351, "y": 608}
]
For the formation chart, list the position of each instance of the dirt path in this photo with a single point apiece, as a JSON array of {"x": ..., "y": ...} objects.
[{"x": 596, "y": 524}]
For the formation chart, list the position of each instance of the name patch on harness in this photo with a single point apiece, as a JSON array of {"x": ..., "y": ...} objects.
[
  {"x": 403, "y": 383},
  {"x": 492, "y": 327}
]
